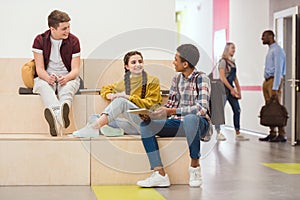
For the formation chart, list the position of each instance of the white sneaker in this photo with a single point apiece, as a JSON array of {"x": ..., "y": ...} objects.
[
  {"x": 195, "y": 177},
  {"x": 87, "y": 132},
  {"x": 240, "y": 137},
  {"x": 155, "y": 180},
  {"x": 220, "y": 137}
]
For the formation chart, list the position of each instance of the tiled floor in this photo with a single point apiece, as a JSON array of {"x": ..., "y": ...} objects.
[{"x": 232, "y": 170}]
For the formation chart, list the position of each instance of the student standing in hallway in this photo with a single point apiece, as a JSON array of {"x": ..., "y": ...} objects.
[
  {"x": 275, "y": 69},
  {"x": 227, "y": 71}
]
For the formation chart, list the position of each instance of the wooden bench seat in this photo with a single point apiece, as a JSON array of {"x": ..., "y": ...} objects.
[{"x": 39, "y": 159}]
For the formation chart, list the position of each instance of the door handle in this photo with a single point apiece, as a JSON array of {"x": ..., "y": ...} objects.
[{"x": 293, "y": 82}]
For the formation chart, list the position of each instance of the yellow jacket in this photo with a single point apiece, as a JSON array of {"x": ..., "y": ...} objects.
[{"x": 152, "y": 97}]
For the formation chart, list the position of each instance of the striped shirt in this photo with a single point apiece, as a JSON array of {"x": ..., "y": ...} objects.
[{"x": 185, "y": 97}]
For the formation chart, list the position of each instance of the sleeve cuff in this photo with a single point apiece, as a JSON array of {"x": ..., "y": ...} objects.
[
  {"x": 75, "y": 55},
  {"x": 178, "y": 111},
  {"x": 39, "y": 51}
]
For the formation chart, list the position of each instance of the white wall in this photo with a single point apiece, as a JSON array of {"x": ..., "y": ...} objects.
[
  {"x": 197, "y": 23},
  {"x": 93, "y": 21},
  {"x": 245, "y": 31},
  {"x": 248, "y": 19}
]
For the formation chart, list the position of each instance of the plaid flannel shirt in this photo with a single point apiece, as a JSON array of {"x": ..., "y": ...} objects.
[{"x": 188, "y": 101}]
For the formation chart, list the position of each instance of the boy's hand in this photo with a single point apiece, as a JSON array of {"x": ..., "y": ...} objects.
[
  {"x": 160, "y": 113},
  {"x": 144, "y": 117},
  {"x": 51, "y": 79},
  {"x": 62, "y": 80}
]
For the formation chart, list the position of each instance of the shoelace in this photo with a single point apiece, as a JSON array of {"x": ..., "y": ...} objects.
[
  {"x": 197, "y": 175},
  {"x": 56, "y": 111},
  {"x": 56, "y": 108},
  {"x": 152, "y": 176}
]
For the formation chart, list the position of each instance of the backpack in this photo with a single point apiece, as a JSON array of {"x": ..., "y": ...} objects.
[
  {"x": 209, "y": 132},
  {"x": 29, "y": 72}
]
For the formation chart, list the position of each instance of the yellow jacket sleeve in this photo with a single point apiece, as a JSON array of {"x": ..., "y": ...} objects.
[
  {"x": 105, "y": 90},
  {"x": 152, "y": 97}
]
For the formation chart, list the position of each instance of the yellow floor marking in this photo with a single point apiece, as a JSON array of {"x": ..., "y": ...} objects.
[
  {"x": 125, "y": 192},
  {"x": 288, "y": 168}
]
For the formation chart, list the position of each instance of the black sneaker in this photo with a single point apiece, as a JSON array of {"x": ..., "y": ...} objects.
[
  {"x": 279, "y": 138},
  {"x": 49, "y": 115},
  {"x": 268, "y": 138},
  {"x": 65, "y": 110}
]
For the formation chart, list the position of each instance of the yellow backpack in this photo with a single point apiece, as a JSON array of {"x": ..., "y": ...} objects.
[{"x": 28, "y": 72}]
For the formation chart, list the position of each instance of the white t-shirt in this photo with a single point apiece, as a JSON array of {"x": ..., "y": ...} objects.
[{"x": 56, "y": 64}]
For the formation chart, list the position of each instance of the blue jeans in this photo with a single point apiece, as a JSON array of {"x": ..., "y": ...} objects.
[
  {"x": 193, "y": 127},
  {"x": 235, "y": 106}
]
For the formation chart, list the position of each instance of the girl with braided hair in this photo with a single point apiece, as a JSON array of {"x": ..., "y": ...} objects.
[{"x": 137, "y": 90}]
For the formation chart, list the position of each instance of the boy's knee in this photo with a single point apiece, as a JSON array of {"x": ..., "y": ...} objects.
[
  {"x": 40, "y": 83},
  {"x": 144, "y": 129}
]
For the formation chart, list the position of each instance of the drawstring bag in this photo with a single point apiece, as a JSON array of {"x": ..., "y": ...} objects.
[{"x": 216, "y": 99}]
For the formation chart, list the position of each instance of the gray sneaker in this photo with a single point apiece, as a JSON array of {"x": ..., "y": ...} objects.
[{"x": 240, "y": 137}]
